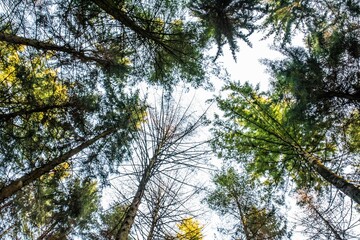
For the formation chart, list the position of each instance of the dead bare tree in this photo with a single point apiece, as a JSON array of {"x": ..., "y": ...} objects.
[
  {"x": 165, "y": 147},
  {"x": 330, "y": 217}
]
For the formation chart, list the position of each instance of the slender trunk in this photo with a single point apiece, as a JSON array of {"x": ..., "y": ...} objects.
[
  {"x": 242, "y": 218},
  {"x": 4, "y": 232},
  {"x": 47, "y": 231},
  {"x": 8, "y": 116},
  {"x": 327, "y": 223},
  {"x": 130, "y": 215},
  {"x": 13, "y": 39},
  {"x": 337, "y": 181},
  {"x": 155, "y": 217},
  {"x": 5, "y": 205},
  {"x": 35, "y": 174}
]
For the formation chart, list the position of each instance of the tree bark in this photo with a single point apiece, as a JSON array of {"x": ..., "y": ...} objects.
[
  {"x": 13, "y": 39},
  {"x": 337, "y": 181},
  {"x": 241, "y": 214},
  {"x": 155, "y": 216},
  {"x": 131, "y": 213},
  {"x": 35, "y": 174}
]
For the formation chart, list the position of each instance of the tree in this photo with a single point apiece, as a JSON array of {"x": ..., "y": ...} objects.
[
  {"x": 323, "y": 79},
  {"x": 167, "y": 200},
  {"x": 17, "y": 184},
  {"x": 162, "y": 146},
  {"x": 189, "y": 229},
  {"x": 66, "y": 69},
  {"x": 52, "y": 209},
  {"x": 256, "y": 132},
  {"x": 109, "y": 37},
  {"x": 329, "y": 217},
  {"x": 287, "y": 18},
  {"x": 227, "y": 20},
  {"x": 110, "y": 221},
  {"x": 48, "y": 122},
  {"x": 237, "y": 197}
]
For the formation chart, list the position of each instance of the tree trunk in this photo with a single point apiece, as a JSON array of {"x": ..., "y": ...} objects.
[
  {"x": 5, "y": 231},
  {"x": 242, "y": 215},
  {"x": 13, "y": 39},
  {"x": 327, "y": 223},
  {"x": 130, "y": 214},
  {"x": 155, "y": 216},
  {"x": 337, "y": 181},
  {"x": 8, "y": 116},
  {"x": 35, "y": 174}
]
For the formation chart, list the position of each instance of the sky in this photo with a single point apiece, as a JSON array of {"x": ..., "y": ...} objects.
[{"x": 247, "y": 68}]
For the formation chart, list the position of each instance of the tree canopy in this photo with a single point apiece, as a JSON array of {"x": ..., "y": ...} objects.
[{"x": 85, "y": 153}]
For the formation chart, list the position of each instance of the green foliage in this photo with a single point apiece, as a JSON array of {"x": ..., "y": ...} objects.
[
  {"x": 54, "y": 209},
  {"x": 224, "y": 21},
  {"x": 128, "y": 40},
  {"x": 288, "y": 17},
  {"x": 45, "y": 113},
  {"x": 323, "y": 80},
  {"x": 257, "y": 132},
  {"x": 35, "y": 110},
  {"x": 238, "y": 197},
  {"x": 66, "y": 69},
  {"x": 180, "y": 58},
  {"x": 111, "y": 220}
]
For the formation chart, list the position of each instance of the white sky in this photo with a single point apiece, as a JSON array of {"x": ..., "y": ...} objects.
[
  {"x": 249, "y": 68},
  {"x": 246, "y": 68}
]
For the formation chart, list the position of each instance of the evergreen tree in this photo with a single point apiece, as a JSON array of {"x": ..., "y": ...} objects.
[
  {"x": 241, "y": 199},
  {"x": 227, "y": 20},
  {"x": 53, "y": 208},
  {"x": 162, "y": 148},
  {"x": 322, "y": 80},
  {"x": 257, "y": 133},
  {"x": 153, "y": 40}
]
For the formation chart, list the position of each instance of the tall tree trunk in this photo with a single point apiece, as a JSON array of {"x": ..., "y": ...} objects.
[
  {"x": 242, "y": 215},
  {"x": 5, "y": 231},
  {"x": 13, "y": 39},
  {"x": 155, "y": 216},
  {"x": 47, "y": 231},
  {"x": 132, "y": 210},
  {"x": 337, "y": 181},
  {"x": 35, "y": 174}
]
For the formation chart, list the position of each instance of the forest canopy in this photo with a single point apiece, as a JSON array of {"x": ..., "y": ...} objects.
[{"x": 99, "y": 137}]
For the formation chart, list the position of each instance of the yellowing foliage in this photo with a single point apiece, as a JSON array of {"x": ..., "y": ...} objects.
[
  {"x": 26, "y": 82},
  {"x": 189, "y": 229},
  {"x": 62, "y": 171}
]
